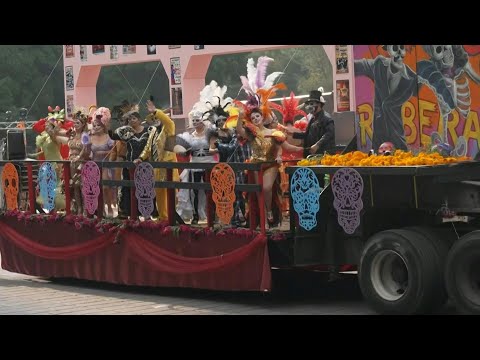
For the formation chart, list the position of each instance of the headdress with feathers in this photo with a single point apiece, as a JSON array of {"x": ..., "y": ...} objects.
[
  {"x": 123, "y": 111},
  {"x": 55, "y": 116},
  {"x": 289, "y": 109},
  {"x": 259, "y": 87},
  {"x": 212, "y": 104}
]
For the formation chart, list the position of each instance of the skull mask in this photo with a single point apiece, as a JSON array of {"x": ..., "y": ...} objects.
[
  {"x": 305, "y": 192},
  {"x": 387, "y": 148},
  {"x": 125, "y": 132},
  {"x": 10, "y": 185},
  {"x": 145, "y": 188},
  {"x": 397, "y": 53},
  {"x": 347, "y": 187}
]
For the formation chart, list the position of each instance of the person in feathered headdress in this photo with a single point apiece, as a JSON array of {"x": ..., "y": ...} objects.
[
  {"x": 74, "y": 138},
  {"x": 48, "y": 128},
  {"x": 289, "y": 110},
  {"x": 266, "y": 144},
  {"x": 51, "y": 130},
  {"x": 135, "y": 135}
]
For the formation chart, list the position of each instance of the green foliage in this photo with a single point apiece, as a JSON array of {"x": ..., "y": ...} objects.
[{"x": 24, "y": 70}]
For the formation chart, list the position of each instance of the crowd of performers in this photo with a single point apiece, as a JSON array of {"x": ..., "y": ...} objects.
[{"x": 220, "y": 130}]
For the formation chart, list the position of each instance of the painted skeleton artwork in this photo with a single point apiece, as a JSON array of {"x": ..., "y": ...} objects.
[
  {"x": 145, "y": 188},
  {"x": 305, "y": 191},
  {"x": 447, "y": 73}
]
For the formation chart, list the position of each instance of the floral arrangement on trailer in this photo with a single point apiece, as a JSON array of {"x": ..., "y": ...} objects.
[{"x": 121, "y": 226}]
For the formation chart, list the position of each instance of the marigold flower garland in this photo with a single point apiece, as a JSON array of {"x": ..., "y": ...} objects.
[{"x": 400, "y": 158}]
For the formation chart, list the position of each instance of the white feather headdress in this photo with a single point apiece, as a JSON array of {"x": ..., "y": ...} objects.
[{"x": 256, "y": 76}]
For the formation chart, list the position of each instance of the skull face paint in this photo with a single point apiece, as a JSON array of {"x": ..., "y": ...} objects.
[
  {"x": 145, "y": 188},
  {"x": 347, "y": 187},
  {"x": 305, "y": 192}
]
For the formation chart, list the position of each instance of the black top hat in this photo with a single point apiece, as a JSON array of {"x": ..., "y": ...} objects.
[{"x": 316, "y": 95}]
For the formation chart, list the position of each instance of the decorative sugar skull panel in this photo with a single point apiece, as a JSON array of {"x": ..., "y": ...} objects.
[
  {"x": 47, "y": 181},
  {"x": 145, "y": 188},
  {"x": 10, "y": 185},
  {"x": 90, "y": 186},
  {"x": 347, "y": 187},
  {"x": 305, "y": 192},
  {"x": 222, "y": 179}
]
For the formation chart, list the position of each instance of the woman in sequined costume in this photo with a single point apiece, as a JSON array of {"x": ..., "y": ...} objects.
[{"x": 266, "y": 146}]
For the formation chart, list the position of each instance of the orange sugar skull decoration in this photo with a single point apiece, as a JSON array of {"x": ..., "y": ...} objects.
[
  {"x": 222, "y": 180},
  {"x": 10, "y": 185}
]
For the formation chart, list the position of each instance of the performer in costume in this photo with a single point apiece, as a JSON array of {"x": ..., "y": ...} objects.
[
  {"x": 50, "y": 129},
  {"x": 289, "y": 110},
  {"x": 135, "y": 136},
  {"x": 73, "y": 139},
  {"x": 155, "y": 150},
  {"x": 100, "y": 145},
  {"x": 266, "y": 144}
]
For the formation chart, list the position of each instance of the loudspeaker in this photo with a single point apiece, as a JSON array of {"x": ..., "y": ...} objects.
[{"x": 16, "y": 145}]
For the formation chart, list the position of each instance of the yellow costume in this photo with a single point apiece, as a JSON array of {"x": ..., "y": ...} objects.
[{"x": 155, "y": 151}]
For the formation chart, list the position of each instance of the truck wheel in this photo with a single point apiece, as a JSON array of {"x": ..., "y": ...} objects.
[
  {"x": 462, "y": 273},
  {"x": 442, "y": 240},
  {"x": 399, "y": 273}
]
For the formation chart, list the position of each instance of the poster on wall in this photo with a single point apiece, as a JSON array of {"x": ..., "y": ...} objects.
[
  {"x": 177, "y": 101},
  {"x": 175, "y": 70},
  {"x": 343, "y": 95},
  {"x": 69, "y": 84},
  {"x": 113, "y": 52},
  {"x": 341, "y": 57},
  {"x": 98, "y": 49},
  {"x": 174, "y": 46},
  {"x": 151, "y": 49},
  {"x": 69, "y": 51},
  {"x": 129, "y": 49},
  {"x": 69, "y": 105},
  {"x": 83, "y": 52}
]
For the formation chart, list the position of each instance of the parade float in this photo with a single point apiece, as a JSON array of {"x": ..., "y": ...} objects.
[{"x": 404, "y": 213}]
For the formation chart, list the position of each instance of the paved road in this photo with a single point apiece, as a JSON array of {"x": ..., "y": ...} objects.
[{"x": 296, "y": 294}]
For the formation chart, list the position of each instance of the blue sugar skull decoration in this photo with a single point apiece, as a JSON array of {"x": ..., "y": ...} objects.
[
  {"x": 47, "y": 181},
  {"x": 305, "y": 192}
]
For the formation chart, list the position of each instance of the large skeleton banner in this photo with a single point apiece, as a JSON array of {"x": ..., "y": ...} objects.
[{"x": 418, "y": 96}]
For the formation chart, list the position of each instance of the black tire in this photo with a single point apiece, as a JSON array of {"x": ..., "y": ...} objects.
[
  {"x": 399, "y": 273},
  {"x": 442, "y": 240},
  {"x": 462, "y": 273}
]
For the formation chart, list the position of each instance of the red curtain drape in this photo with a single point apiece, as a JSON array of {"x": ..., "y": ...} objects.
[
  {"x": 142, "y": 257},
  {"x": 57, "y": 253},
  {"x": 166, "y": 261}
]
